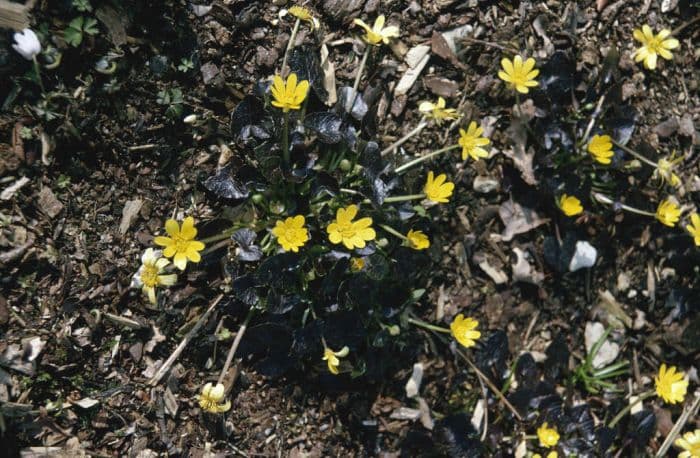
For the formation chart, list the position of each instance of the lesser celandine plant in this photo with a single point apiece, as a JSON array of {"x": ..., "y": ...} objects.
[{"x": 329, "y": 241}]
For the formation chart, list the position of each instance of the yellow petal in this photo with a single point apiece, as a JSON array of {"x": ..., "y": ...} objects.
[
  {"x": 162, "y": 262},
  {"x": 507, "y": 66},
  {"x": 650, "y": 61},
  {"x": 517, "y": 63},
  {"x": 193, "y": 255},
  {"x": 301, "y": 91},
  {"x": 379, "y": 23},
  {"x": 163, "y": 241},
  {"x": 505, "y": 77},
  {"x": 671, "y": 43},
  {"x": 426, "y": 107},
  {"x": 172, "y": 228},
  {"x": 529, "y": 65},
  {"x": 638, "y": 35},
  {"x": 167, "y": 280},
  {"x": 188, "y": 230},
  {"x": 291, "y": 83},
  {"x": 180, "y": 260},
  {"x": 151, "y": 293},
  {"x": 532, "y": 75}
]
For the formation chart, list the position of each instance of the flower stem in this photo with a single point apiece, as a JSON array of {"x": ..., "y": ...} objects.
[
  {"x": 220, "y": 236},
  {"x": 629, "y": 150},
  {"x": 234, "y": 345},
  {"x": 421, "y": 125},
  {"x": 285, "y": 140},
  {"x": 404, "y": 198},
  {"x": 623, "y": 412},
  {"x": 603, "y": 199},
  {"x": 290, "y": 45},
  {"x": 393, "y": 231},
  {"x": 417, "y": 161},
  {"x": 37, "y": 72},
  {"x": 431, "y": 327},
  {"x": 358, "y": 77}
]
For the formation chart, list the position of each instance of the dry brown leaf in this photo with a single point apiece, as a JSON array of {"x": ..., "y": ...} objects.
[{"x": 517, "y": 219}]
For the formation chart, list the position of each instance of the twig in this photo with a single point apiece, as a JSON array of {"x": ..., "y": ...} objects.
[
  {"x": 680, "y": 28},
  {"x": 591, "y": 123},
  {"x": 358, "y": 77},
  {"x": 421, "y": 125},
  {"x": 490, "y": 384},
  {"x": 143, "y": 147},
  {"x": 290, "y": 45},
  {"x": 185, "y": 340},
  {"x": 682, "y": 420},
  {"x": 126, "y": 322},
  {"x": 234, "y": 345},
  {"x": 486, "y": 43}
]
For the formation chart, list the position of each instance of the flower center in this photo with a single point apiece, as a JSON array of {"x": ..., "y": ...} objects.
[
  {"x": 149, "y": 275},
  {"x": 654, "y": 45},
  {"x": 180, "y": 243},
  {"x": 292, "y": 235},
  {"x": 346, "y": 230}
]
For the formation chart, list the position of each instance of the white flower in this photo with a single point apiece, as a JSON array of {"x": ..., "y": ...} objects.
[
  {"x": 27, "y": 44},
  {"x": 149, "y": 276}
]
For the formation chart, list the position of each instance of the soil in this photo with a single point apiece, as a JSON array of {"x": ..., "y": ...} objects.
[{"x": 69, "y": 247}]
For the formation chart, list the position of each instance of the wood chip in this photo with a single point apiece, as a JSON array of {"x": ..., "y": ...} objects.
[
  {"x": 129, "y": 214},
  {"x": 48, "y": 203}
]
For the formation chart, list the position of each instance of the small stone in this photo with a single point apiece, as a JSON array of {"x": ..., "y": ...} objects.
[
  {"x": 623, "y": 282},
  {"x": 209, "y": 72},
  {"x": 667, "y": 127},
  {"x": 413, "y": 384},
  {"x": 48, "y": 203},
  {"x": 686, "y": 127},
  {"x": 584, "y": 256},
  {"x": 129, "y": 214},
  {"x": 405, "y": 413},
  {"x": 608, "y": 351},
  {"x": 440, "y": 86},
  {"x": 485, "y": 185}
]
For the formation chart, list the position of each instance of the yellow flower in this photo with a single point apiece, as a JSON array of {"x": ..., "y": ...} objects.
[
  {"x": 518, "y": 74},
  {"x": 438, "y": 189},
  {"x": 690, "y": 443},
  {"x": 653, "y": 46},
  {"x": 353, "y": 234},
  {"x": 464, "y": 330},
  {"x": 668, "y": 213},
  {"x": 291, "y": 233},
  {"x": 357, "y": 264},
  {"x": 600, "y": 148},
  {"x": 378, "y": 33},
  {"x": 418, "y": 240},
  {"x": 471, "y": 142},
  {"x": 548, "y": 436},
  {"x": 211, "y": 397},
  {"x": 552, "y": 454},
  {"x": 664, "y": 170},
  {"x": 332, "y": 358},
  {"x": 181, "y": 243},
  {"x": 304, "y": 14},
  {"x": 671, "y": 385},
  {"x": 289, "y": 95},
  {"x": 437, "y": 111},
  {"x": 570, "y": 205},
  {"x": 694, "y": 228},
  {"x": 149, "y": 275}
]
